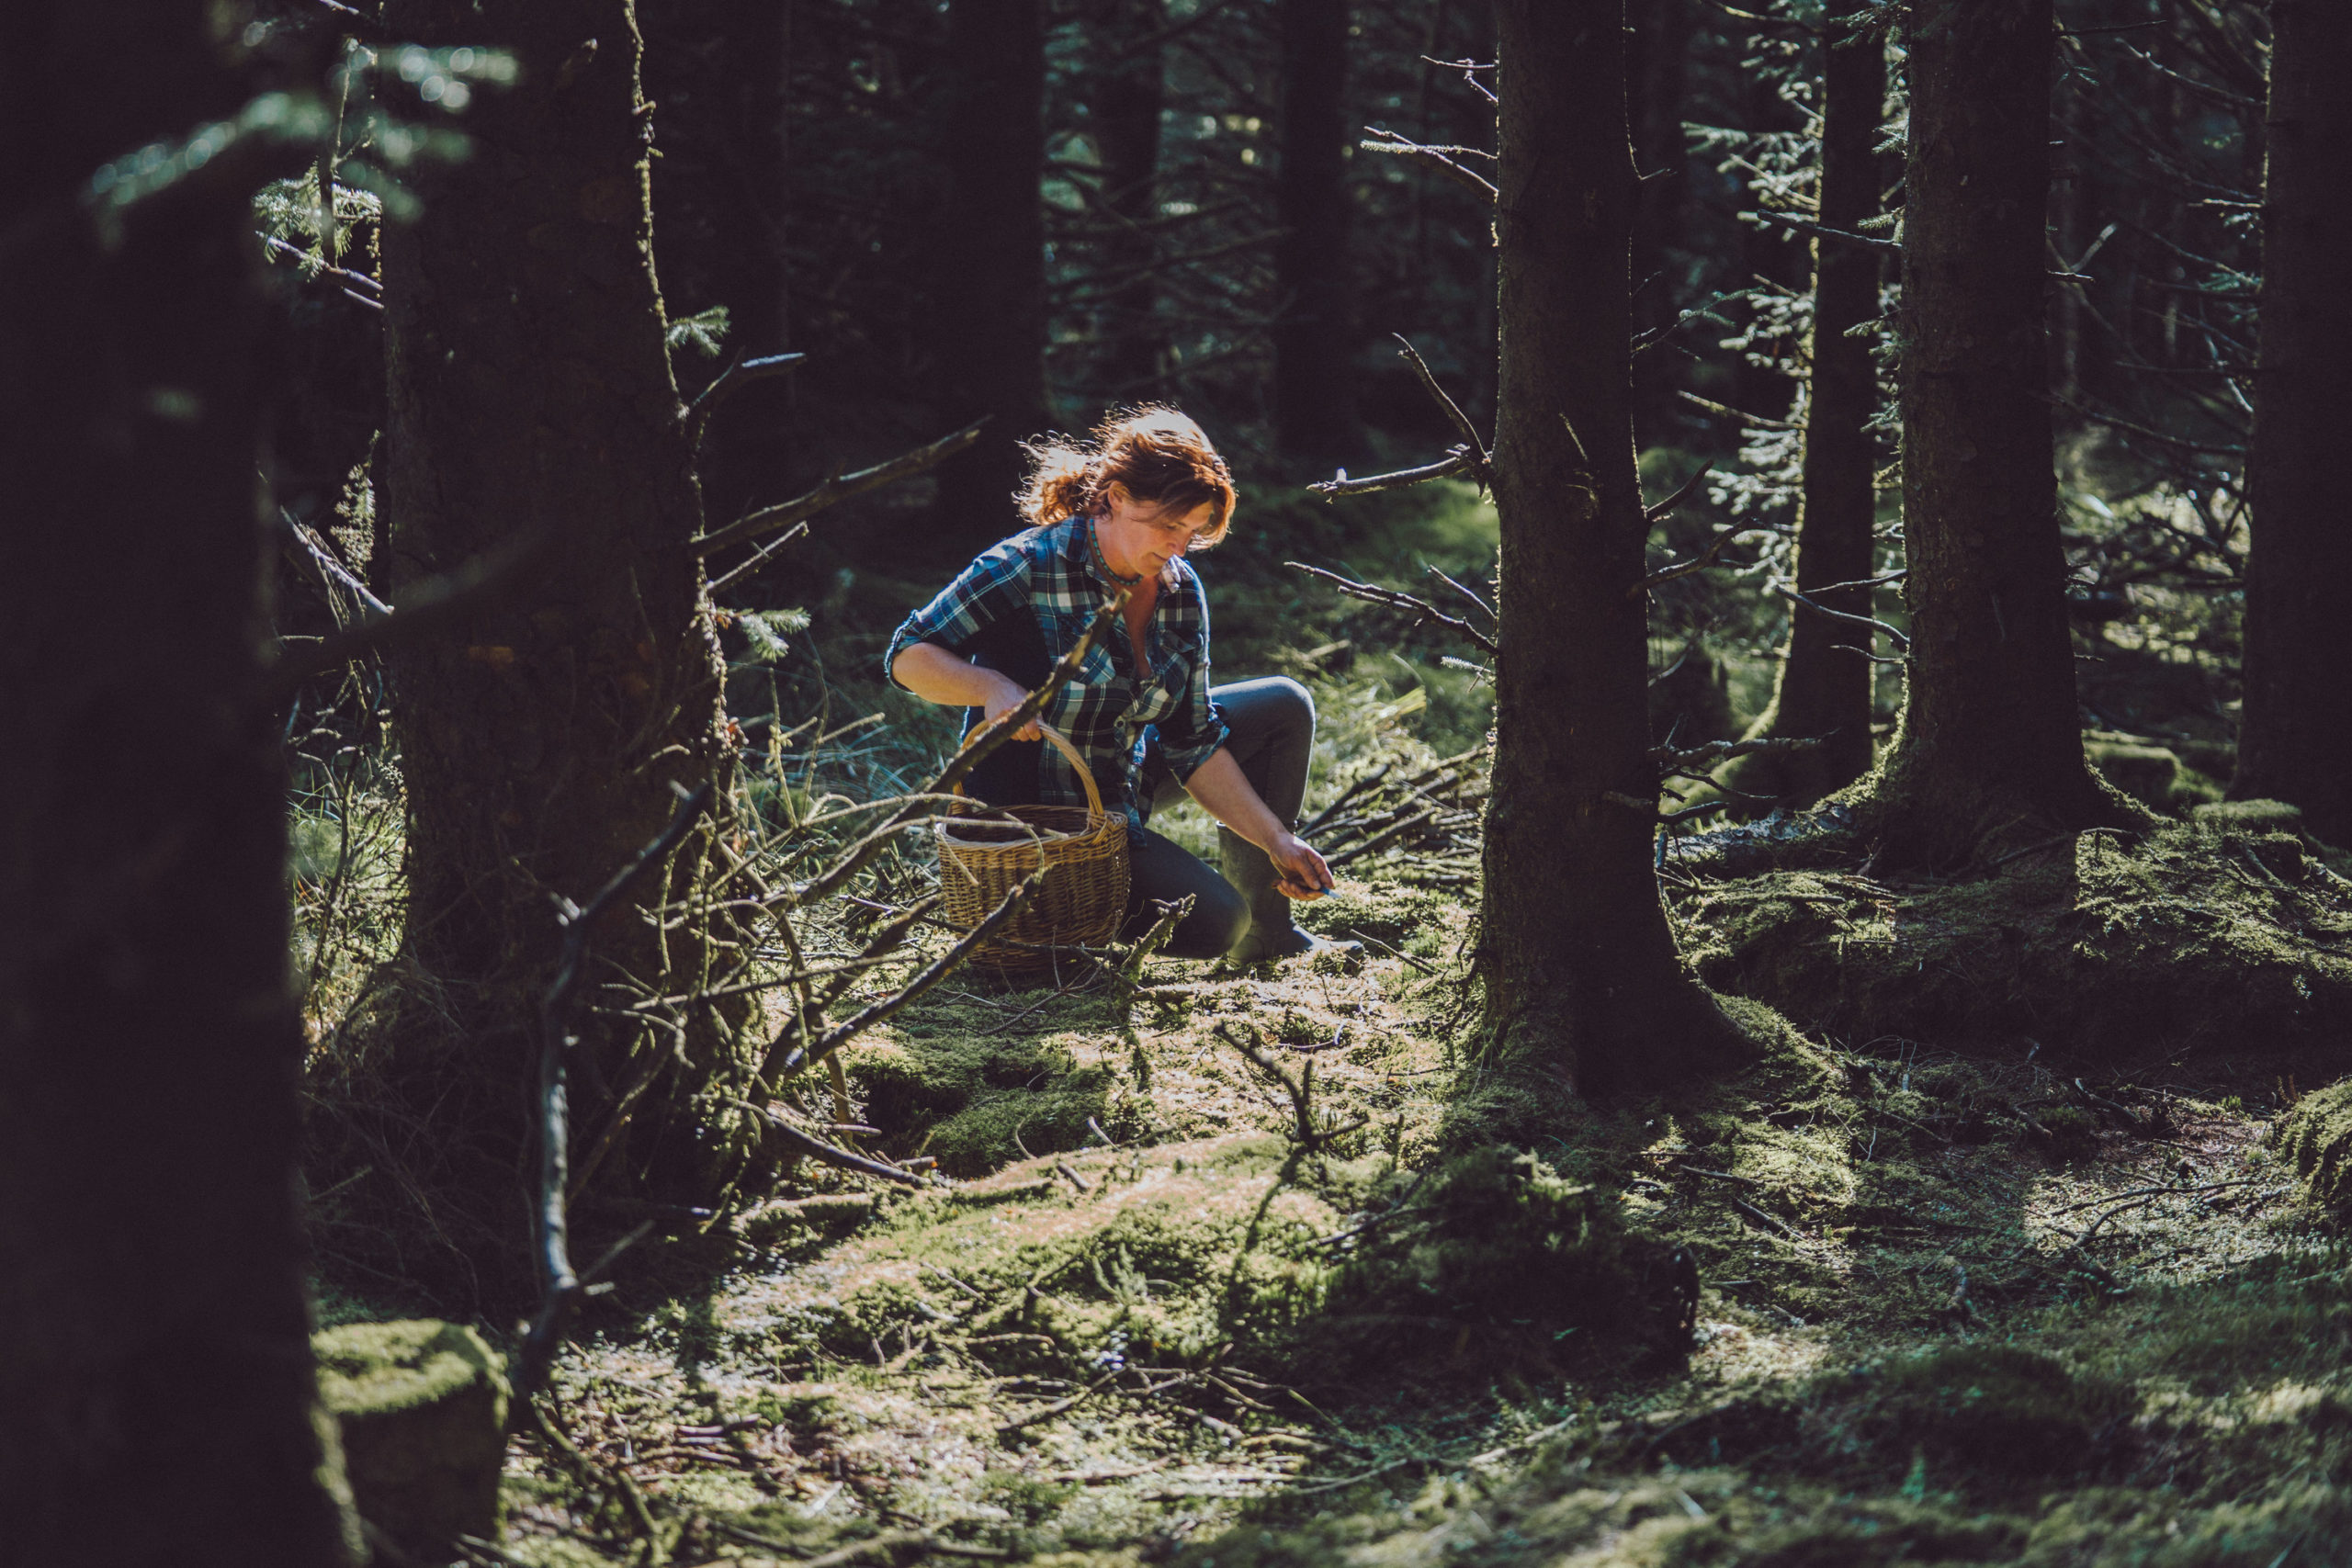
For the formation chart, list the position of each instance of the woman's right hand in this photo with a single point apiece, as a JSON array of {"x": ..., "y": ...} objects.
[{"x": 1008, "y": 697}]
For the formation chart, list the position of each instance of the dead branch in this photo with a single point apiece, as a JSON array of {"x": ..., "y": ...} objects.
[
  {"x": 1842, "y": 236},
  {"x": 1716, "y": 752},
  {"x": 796, "y": 1061},
  {"x": 1738, "y": 416},
  {"x": 1395, "y": 600},
  {"x": 1475, "y": 456},
  {"x": 737, "y": 376},
  {"x": 817, "y": 1149},
  {"x": 1657, "y": 513},
  {"x": 1697, "y": 563},
  {"x": 1378, "y": 141},
  {"x": 1470, "y": 594},
  {"x": 1341, "y": 485},
  {"x": 1301, "y": 1089},
  {"x": 757, "y": 560},
  {"x": 561, "y": 1288},
  {"x": 834, "y": 490},
  {"x": 329, "y": 566},
  {"x": 1785, "y": 591}
]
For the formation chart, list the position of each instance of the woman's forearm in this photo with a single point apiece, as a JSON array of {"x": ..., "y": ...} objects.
[
  {"x": 1225, "y": 793},
  {"x": 932, "y": 673}
]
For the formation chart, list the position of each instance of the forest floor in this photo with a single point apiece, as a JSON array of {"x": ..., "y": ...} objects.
[{"x": 1952, "y": 1307}]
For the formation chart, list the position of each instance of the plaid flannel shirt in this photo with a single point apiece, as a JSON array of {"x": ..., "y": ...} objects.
[{"x": 1115, "y": 715}]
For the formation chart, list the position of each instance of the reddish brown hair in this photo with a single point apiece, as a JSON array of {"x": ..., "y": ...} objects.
[{"x": 1162, "y": 457}]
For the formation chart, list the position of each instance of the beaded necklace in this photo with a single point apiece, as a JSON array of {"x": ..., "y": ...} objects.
[{"x": 1102, "y": 562}]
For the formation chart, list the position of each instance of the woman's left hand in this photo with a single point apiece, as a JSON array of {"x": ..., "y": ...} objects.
[{"x": 1301, "y": 872}]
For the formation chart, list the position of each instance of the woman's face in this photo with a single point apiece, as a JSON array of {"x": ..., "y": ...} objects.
[{"x": 1140, "y": 537}]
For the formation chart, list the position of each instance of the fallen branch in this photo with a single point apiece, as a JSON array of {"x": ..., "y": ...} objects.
[{"x": 808, "y": 1144}]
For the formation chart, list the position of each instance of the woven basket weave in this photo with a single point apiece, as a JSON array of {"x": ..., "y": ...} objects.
[{"x": 984, "y": 852}]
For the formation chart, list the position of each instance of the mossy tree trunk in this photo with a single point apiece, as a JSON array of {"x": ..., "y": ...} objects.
[
  {"x": 531, "y": 401},
  {"x": 157, "y": 1398},
  {"x": 1823, "y": 686},
  {"x": 1989, "y": 748},
  {"x": 990, "y": 250},
  {"x": 1315, "y": 409},
  {"x": 1127, "y": 92},
  {"x": 2295, "y": 737},
  {"x": 1577, "y": 962}
]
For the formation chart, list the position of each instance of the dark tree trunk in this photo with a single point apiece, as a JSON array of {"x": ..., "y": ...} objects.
[
  {"x": 1990, "y": 745},
  {"x": 1578, "y": 964},
  {"x": 532, "y": 402},
  {"x": 1824, "y": 685},
  {"x": 1127, "y": 94},
  {"x": 2292, "y": 742},
  {"x": 991, "y": 337},
  {"x": 1315, "y": 410},
  {"x": 1659, "y": 72},
  {"x": 157, "y": 1402}
]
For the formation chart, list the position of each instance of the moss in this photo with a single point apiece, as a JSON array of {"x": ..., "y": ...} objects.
[
  {"x": 2252, "y": 817},
  {"x": 375, "y": 1369},
  {"x": 1496, "y": 1253},
  {"x": 1421, "y": 921},
  {"x": 2149, "y": 774},
  {"x": 2072, "y": 1130},
  {"x": 975, "y": 1103},
  {"x": 2317, "y": 1138},
  {"x": 2193, "y": 935},
  {"x": 1998, "y": 1407}
]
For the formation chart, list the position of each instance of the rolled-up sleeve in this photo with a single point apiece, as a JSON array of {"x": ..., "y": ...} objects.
[
  {"x": 1191, "y": 735},
  {"x": 993, "y": 587}
]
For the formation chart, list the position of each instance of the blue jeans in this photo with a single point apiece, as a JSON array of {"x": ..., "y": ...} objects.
[{"x": 1272, "y": 726}]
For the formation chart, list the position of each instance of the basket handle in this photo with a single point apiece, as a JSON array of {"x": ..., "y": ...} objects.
[{"x": 1077, "y": 763}]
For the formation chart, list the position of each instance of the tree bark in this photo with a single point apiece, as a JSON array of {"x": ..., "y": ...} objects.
[
  {"x": 1127, "y": 94},
  {"x": 1989, "y": 748},
  {"x": 1657, "y": 80},
  {"x": 1824, "y": 684},
  {"x": 532, "y": 403},
  {"x": 2292, "y": 738},
  {"x": 158, "y": 1400},
  {"x": 990, "y": 339},
  {"x": 1577, "y": 962},
  {"x": 1315, "y": 410}
]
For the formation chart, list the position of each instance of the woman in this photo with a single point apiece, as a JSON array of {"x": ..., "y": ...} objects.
[{"x": 1119, "y": 513}]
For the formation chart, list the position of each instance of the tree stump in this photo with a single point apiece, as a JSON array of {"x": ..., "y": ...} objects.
[{"x": 423, "y": 1406}]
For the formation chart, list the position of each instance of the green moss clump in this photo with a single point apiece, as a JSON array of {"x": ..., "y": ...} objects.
[
  {"x": 376, "y": 1369},
  {"x": 2074, "y": 1132},
  {"x": 422, "y": 1405},
  {"x": 2317, "y": 1138},
  {"x": 975, "y": 1103},
  {"x": 2251, "y": 817},
  {"x": 2149, "y": 774},
  {"x": 1998, "y": 1407},
  {"x": 1496, "y": 1253}
]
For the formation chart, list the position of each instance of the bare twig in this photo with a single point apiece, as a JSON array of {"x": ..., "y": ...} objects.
[
  {"x": 1341, "y": 485},
  {"x": 1785, "y": 591},
  {"x": 1378, "y": 141},
  {"x": 737, "y": 376},
  {"x": 1395, "y": 600},
  {"x": 1475, "y": 456},
  {"x": 835, "y": 490},
  {"x": 1842, "y": 236},
  {"x": 809, "y": 1144},
  {"x": 424, "y": 610},
  {"x": 561, "y": 1287},
  {"x": 757, "y": 560},
  {"x": 1681, "y": 493}
]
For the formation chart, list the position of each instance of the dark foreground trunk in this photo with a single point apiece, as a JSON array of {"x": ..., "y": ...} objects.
[
  {"x": 2295, "y": 741},
  {"x": 1578, "y": 965},
  {"x": 157, "y": 1404},
  {"x": 1314, "y": 411},
  {"x": 1989, "y": 750},
  {"x": 1824, "y": 684},
  {"x": 532, "y": 403},
  {"x": 991, "y": 337}
]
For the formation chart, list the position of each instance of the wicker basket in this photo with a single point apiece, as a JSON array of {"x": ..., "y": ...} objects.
[{"x": 1082, "y": 895}]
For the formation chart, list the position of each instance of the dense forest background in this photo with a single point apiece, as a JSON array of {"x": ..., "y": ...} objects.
[{"x": 1810, "y": 530}]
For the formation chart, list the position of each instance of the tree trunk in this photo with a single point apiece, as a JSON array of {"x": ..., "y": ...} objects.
[
  {"x": 1990, "y": 747},
  {"x": 157, "y": 1402},
  {"x": 1315, "y": 410},
  {"x": 1576, "y": 959},
  {"x": 992, "y": 248},
  {"x": 532, "y": 402},
  {"x": 2292, "y": 742},
  {"x": 1124, "y": 113},
  {"x": 1658, "y": 81},
  {"x": 1824, "y": 684}
]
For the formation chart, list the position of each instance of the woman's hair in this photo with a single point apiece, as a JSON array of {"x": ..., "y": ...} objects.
[{"x": 1162, "y": 457}]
